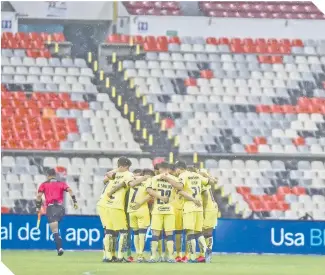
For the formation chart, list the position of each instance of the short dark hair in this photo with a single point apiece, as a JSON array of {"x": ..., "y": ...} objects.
[
  {"x": 124, "y": 161},
  {"x": 191, "y": 168},
  {"x": 148, "y": 172},
  {"x": 180, "y": 165},
  {"x": 164, "y": 165},
  {"x": 156, "y": 166},
  {"x": 137, "y": 171},
  {"x": 51, "y": 172}
]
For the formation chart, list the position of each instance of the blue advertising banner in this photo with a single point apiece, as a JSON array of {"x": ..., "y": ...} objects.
[{"x": 230, "y": 236}]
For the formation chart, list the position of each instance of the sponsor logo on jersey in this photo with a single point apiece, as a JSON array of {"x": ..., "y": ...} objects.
[{"x": 163, "y": 208}]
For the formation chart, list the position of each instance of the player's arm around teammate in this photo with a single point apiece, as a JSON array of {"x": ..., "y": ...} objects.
[{"x": 138, "y": 210}]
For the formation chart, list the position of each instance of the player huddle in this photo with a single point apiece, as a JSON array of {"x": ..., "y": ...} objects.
[{"x": 170, "y": 199}]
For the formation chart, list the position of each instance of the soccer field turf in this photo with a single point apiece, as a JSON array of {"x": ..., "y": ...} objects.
[{"x": 89, "y": 263}]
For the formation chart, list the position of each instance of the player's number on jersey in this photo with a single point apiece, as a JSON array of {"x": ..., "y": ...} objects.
[
  {"x": 196, "y": 190},
  {"x": 164, "y": 193},
  {"x": 134, "y": 194},
  {"x": 104, "y": 189}
]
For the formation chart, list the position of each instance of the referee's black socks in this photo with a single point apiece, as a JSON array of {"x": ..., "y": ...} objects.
[{"x": 58, "y": 241}]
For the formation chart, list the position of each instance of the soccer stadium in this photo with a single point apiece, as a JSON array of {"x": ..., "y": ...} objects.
[{"x": 153, "y": 137}]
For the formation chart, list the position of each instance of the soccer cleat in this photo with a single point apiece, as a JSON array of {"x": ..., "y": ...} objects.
[
  {"x": 208, "y": 255},
  {"x": 60, "y": 252},
  {"x": 141, "y": 260},
  {"x": 185, "y": 259},
  {"x": 200, "y": 259},
  {"x": 178, "y": 259},
  {"x": 106, "y": 260},
  {"x": 160, "y": 260},
  {"x": 123, "y": 260},
  {"x": 172, "y": 261},
  {"x": 130, "y": 258},
  {"x": 192, "y": 261},
  {"x": 114, "y": 259},
  {"x": 151, "y": 261}
]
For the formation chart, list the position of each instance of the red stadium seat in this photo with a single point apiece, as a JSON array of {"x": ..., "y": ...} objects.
[
  {"x": 297, "y": 43},
  {"x": 114, "y": 38},
  {"x": 174, "y": 40},
  {"x": 284, "y": 190},
  {"x": 7, "y": 36},
  {"x": 162, "y": 47},
  {"x": 277, "y": 109},
  {"x": 249, "y": 48},
  {"x": 83, "y": 105},
  {"x": 206, "y": 74},
  {"x": 256, "y": 206},
  {"x": 298, "y": 190},
  {"x": 212, "y": 41},
  {"x": 264, "y": 58},
  {"x": 237, "y": 48},
  {"x": 13, "y": 44},
  {"x": 263, "y": 109},
  {"x": 285, "y": 49},
  {"x": 298, "y": 141},
  {"x": 39, "y": 144},
  {"x": 162, "y": 40},
  {"x": 4, "y": 44},
  {"x": 285, "y": 42},
  {"x": 260, "y": 140},
  {"x": 260, "y": 41},
  {"x": 235, "y": 41},
  {"x": 138, "y": 39},
  {"x": 150, "y": 47},
  {"x": 26, "y": 144},
  {"x": 58, "y": 37},
  {"x": 190, "y": 82},
  {"x": 125, "y": 39},
  {"x": 272, "y": 41},
  {"x": 150, "y": 39},
  {"x": 274, "y": 49},
  {"x": 224, "y": 40},
  {"x": 21, "y": 36},
  {"x": 243, "y": 190},
  {"x": 276, "y": 59},
  {"x": 289, "y": 109},
  {"x": 32, "y": 53},
  {"x": 251, "y": 148},
  {"x": 34, "y": 36},
  {"x": 282, "y": 206}
]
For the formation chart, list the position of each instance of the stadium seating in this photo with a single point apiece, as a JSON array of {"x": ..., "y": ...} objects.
[
  {"x": 76, "y": 118},
  {"x": 21, "y": 176},
  {"x": 276, "y": 10},
  {"x": 237, "y": 99},
  {"x": 274, "y": 189},
  {"x": 216, "y": 95},
  {"x": 288, "y": 10},
  {"x": 152, "y": 7}
]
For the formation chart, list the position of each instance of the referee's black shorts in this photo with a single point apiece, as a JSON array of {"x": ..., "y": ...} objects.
[{"x": 55, "y": 212}]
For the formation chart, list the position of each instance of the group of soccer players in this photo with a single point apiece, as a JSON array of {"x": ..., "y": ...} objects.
[{"x": 171, "y": 199}]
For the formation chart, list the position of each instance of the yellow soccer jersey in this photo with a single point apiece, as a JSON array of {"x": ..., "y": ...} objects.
[
  {"x": 178, "y": 203},
  {"x": 211, "y": 204},
  {"x": 192, "y": 185},
  {"x": 165, "y": 189},
  {"x": 117, "y": 200},
  {"x": 138, "y": 194}
]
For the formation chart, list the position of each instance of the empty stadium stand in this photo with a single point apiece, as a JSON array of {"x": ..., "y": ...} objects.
[
  {"x": 285, "y": 10},
  {"x": 252, "y": 111}
]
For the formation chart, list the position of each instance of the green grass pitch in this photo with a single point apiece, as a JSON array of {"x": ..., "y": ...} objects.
[{"x": 89, "y": 263}]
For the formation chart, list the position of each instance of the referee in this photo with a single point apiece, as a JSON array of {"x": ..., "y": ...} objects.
[{"x": 53, "y": 190}]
